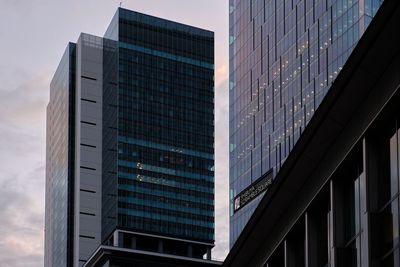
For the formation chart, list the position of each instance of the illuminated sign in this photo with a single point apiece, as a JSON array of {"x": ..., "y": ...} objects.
[{"x": 254, "y": 190}]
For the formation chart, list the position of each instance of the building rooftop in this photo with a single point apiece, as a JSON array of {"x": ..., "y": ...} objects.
[{"x": 104, "y": 253}]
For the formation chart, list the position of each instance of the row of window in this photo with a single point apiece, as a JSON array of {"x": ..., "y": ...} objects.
[
  {"x": 169, "y": 228},
  {"x": 168, "y": 40}
]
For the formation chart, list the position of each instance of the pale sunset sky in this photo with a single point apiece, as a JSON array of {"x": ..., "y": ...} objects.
[{"x": 33, "y": 37}]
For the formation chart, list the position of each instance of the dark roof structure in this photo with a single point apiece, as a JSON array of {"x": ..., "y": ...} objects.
[{"x": 129, "y": 257}]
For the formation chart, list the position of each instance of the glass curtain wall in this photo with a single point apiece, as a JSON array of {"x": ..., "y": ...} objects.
[{"x": 284, "y": 56}]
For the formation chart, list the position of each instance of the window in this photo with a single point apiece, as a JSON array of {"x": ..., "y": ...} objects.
[
  {"x": 278, "y": 257},
  {"x": 348, "y": 201},
  {"x": 389, "y": 200},
  {"x": 319, "y": 229}
]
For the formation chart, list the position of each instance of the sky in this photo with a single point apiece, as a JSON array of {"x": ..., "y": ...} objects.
[{"x": 34, "y": 34}]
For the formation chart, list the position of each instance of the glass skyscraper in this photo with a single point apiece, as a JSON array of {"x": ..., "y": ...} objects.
[
  {"x": 59, "y": 163},
  {"x": 130, "y": 148},
  {"x": 284, "y": 55},
  {"x": 164, "y": 134}
]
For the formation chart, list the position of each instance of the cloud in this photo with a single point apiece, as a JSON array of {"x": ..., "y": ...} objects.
[
  {"x": 21, "y": 219},
  {"x": 23, "y": 98},
  {"x": 221, "y": 169},
  {"x": 221, "y": 74}
]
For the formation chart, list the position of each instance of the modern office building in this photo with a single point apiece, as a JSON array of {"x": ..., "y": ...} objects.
[
  {"x": 335, "y": 200},
  {"x": 284, "y": 57},
  {"x": 130, "y": 142}
]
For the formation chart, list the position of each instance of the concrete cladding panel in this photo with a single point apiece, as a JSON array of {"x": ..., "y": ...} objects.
[{"x": 88, "y": 145}]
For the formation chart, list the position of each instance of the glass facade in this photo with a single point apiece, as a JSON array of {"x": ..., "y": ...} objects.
[
  {"x": 110, "y": 137},
  {"x": 59, "y": 163},
  {"x": 161, "y": 129},
  {"x": 284, "y": 55}
]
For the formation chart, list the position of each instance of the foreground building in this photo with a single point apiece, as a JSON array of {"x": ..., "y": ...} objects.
[
  {"x": 130, "y": 143},
  {"x": 284, "y": 56},
  {"x": 335, "y": 200}
]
